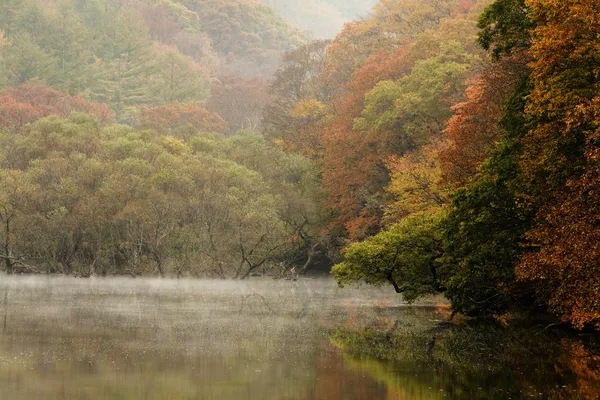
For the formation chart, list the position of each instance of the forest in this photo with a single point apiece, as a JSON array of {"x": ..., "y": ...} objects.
[{"x": 436, "y": 146}]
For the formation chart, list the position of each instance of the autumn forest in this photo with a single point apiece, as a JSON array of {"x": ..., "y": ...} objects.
[{"x": 435, "y": 146}]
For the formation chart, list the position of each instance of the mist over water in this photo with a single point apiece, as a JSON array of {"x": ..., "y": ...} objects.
[
  {"x": 65, "y": 338},
  {"x": 125, "y": 338}
]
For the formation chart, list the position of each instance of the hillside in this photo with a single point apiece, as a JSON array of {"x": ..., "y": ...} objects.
[{"x": 131, "y": 53}]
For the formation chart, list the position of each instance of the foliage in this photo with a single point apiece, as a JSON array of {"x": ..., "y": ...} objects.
[
  {"x": 239, "y": 101},
  {"x": 473, "y": 130},
  {"x": 561, "y": 159},
  {"x": 368, "y": 134},
  {"x": 392, "y": 102},
  {"x": 249, "y": 36},
  {"x": 416, "y": 183},
  {"x": 178, "y": 78},
  {"x": 505, "y": 27},
  {"x": 296, "y": 85},
  {"x": 354, "y": 174},
  {"x": 139, "y": 52},
  {"x": 417, "y": 104},
  {"x": 406, "y": 256},
  {"x": 106, "y": 200},
  {"x": 486, "y": 226},
  {"x": 179, "y": 119},
  {"x": 482, "y": 233},
  {"x": 29, "y": 102},
  {"x": 100, "y": 50}
]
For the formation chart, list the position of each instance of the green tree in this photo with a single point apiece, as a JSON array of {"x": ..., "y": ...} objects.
[
  {"x": 505, "y": 27},
  {"x": 405, "y": 256},
  {"x": 18, "y": 192},
  {"x": 417, "y": 106},
  {"x": 122, "y": 83},
  {"x": 178, "y": 79},
  {"x": 23, "y": 61},
  {"x": 485, "y": 228},
  {"x": 70, "y": 43},
  {"x": 10, "y": 14}
]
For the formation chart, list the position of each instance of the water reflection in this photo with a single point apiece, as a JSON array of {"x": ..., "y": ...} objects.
[
  {"x": 476, "y": 360},
  {"x": 150, "y": 339}
]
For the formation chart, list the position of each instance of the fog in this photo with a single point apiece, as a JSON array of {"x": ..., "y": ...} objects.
[
  {"x": 149, "y": 298},
  {"x": 324, "y": 19},
  {"x": 123, "y": 338},
  {"x": 221, "y": 308},
  {"x": 65, "y": 338}
]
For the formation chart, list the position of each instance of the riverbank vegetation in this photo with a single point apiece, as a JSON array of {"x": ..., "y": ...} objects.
[
  {"x": 458, "y": 142},
  {"x": 515, "y": 175},
  {"x": 81, "y": 198},
  {"x": 130, "y": 143}
]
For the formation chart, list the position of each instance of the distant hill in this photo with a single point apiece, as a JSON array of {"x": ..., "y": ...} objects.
[
  {"x": 324, "y": 18},
  {"x": 248, "y": 37},
  {"x": 131, "y": 53}
]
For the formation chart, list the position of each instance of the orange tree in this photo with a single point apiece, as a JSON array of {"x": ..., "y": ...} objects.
[{"x": 561, "y": 159}]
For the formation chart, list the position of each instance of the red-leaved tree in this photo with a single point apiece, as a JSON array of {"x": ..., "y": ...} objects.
[{"x": 26, "y": 103}]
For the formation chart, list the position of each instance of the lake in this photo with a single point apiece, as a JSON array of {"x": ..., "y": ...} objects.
[{"x": 67, "y": 338}]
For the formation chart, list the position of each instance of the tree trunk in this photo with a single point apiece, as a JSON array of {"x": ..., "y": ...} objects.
[
  {"x": 393, "y": 282},
  {"x": 7, "y": 260},
  {"x": 159, "y": 265},
  {"x": 311, "y": 255},
  {"x": 250, "y": 269}
]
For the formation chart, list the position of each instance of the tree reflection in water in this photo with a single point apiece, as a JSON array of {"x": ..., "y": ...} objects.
[{"x": 475, "y": 360}]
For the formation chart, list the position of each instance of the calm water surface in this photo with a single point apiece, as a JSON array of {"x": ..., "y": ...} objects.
[{"x": 151, "y": 339}]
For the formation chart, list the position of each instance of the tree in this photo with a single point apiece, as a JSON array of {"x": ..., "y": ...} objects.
[
  {"x": 29, "y": 102},
  {"x": 393, "y": 79},
  {"x": 17, "y": 195},
  {"x": 393, "y": 24},
  {"x": 295, "y": 182},
  {"x": 161, "y": 24},
  {"x": 23, "y": 60},
  {"x": 566, "y": 253},
  {"x": 392, "y": 117},
  {"x": 473, "y": 129},
  {"x": 298, "y": 81},
  {"x": 561, "y": 159},
  {"x": 179, "y": 119},
  {"x": 354, "y": 173},
  {"x": 122, "y": 84},
  {"x": 487, "y": 221},
  {"x": 485, "y": 228},
  {"x": 416, "y": 183},
  {"x": 70, "y": 44},
  {"x": 405, "y": 256},
  {"x": 249, "y": 36},
  {"x": 505, "y": 26},
  {"x": 15, "y": 114},
  {"x": 416, "y": 106},
  {"x": 239, "y": 101},
  {"x": 178, "y": 79},
  {"x": 9, "y": 16},
  {"x": 115, "y": 200}
]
